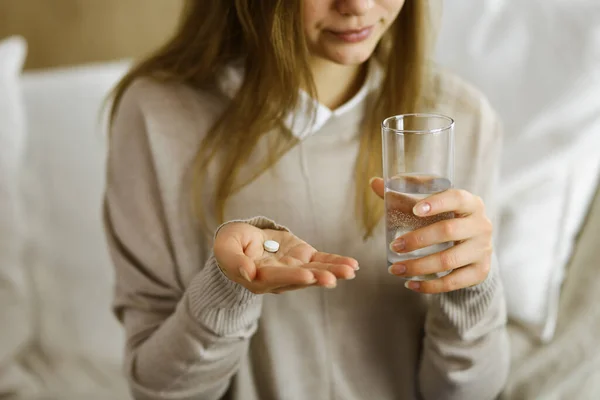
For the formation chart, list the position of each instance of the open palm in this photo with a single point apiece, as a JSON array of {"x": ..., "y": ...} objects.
[{"x": 240, "y": 254}]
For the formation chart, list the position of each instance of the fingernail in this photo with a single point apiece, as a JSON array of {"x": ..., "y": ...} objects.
[
  {"x": 397, "y": 269},
  {"x": 357, "y": 268},
  {"x": 371, "y": 180},
  {"x": 331, "y": 285},
  {"x": 412, "y": 285},
  {"x": 245, "y": 275},
  {"x": 422, "y": 208},
  {"x": 398, "y": 245}
]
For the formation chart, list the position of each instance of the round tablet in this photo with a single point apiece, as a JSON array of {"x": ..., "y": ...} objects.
[{"x": 271, "y": 246}]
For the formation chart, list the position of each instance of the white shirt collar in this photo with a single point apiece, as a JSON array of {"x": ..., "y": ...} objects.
[{"x": 299, "y": 121}]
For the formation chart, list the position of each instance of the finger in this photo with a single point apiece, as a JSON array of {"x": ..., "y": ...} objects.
[
  {"x": 448, "y": 230},
  {"x": 325, "y": 278},
  {"x": 458, "y": 279},
  {"x": 285, "y": 261},
  {"x": 377, "y": 186},
  {"x": 338, "y": 271},
  {"x": 458, "y": 256},
  {"x": 335, "y": 259},
  {"x": 452, "y": 200},
  {"x": 274, "y": 277},
  {"x": 402, "y": 204},
  {"x": 290, "y": 288}
]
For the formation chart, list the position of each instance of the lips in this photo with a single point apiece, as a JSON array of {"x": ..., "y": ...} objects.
[{"x": 353, "y": 36}]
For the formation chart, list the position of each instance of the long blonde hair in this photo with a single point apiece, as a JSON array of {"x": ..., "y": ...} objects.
[{"x": 267, "y": 36}]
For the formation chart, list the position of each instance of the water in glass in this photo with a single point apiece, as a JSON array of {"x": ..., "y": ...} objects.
[{"x": 402, "y": 192}]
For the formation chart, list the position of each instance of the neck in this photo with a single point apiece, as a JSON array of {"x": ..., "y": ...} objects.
[{"x": 336, "y": 84}]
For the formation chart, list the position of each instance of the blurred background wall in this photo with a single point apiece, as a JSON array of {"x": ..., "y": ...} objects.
[{"x": 67, "y": 32}]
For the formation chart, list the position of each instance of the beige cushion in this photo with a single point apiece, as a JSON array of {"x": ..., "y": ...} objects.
[{"x": 569, "y": 366}]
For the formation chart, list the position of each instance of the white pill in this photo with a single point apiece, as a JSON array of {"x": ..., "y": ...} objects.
[{"x": 271, "y": 246}]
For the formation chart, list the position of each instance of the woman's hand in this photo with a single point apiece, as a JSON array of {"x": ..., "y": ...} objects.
[
  {"x": 469, "y": 259},
  {"x": 239, "y": 251}
]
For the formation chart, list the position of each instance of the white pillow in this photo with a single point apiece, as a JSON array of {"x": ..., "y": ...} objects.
[
  {"x": 63, "y": 184},
  {"x": 15, "y": 318},
  {"x": 539, "y": 63}
]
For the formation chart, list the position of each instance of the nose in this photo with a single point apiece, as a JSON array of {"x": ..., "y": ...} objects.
[{"x": 354, "y": 7}]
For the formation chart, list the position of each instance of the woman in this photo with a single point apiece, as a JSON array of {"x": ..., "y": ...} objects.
[{"x": 223, "y": 125}]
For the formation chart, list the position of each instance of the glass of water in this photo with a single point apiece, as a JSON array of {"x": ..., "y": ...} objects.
[{"x": 418, "y": 161}]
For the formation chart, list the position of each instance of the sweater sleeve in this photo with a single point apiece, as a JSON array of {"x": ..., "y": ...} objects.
[
  {"x": 465, "y": 350},
  {"x": 185, "y": 336}
]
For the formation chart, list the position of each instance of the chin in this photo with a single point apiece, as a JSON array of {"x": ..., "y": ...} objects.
[{"x": 349, "y": 56}]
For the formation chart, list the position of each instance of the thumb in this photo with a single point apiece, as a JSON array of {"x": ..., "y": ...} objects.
[
  {"x": 230, "y": 255},
  {"x": 242, "y": 266},
  {"x": 377, "y": 186}
]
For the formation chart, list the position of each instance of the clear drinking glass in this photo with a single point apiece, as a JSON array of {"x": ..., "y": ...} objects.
[{"x": 418, "y": 161}]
